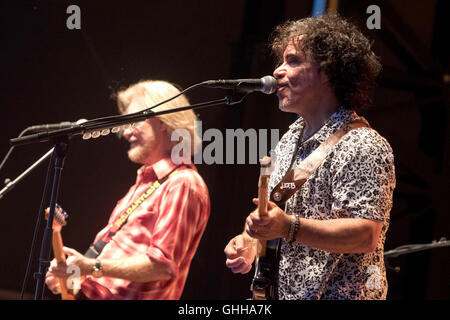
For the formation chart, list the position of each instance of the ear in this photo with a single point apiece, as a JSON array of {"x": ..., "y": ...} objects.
[
  {"x": 163, "y": 127},
  {"x": 157, "y": 124},
  {"x": 323, "y": 77}
]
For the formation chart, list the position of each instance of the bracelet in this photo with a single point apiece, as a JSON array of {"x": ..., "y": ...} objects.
[{"x": 293, "y": 229}]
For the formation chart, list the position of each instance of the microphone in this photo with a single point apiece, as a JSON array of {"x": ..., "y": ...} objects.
[
  {"x": 55, "y": 126},
  {"x": 267, "y": 84}
]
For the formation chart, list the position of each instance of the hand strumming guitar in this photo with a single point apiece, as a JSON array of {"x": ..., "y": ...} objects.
[{"x": 240, "y": 253}]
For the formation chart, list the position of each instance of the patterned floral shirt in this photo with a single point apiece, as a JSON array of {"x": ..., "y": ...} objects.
[{"x": 356, "y": 180}]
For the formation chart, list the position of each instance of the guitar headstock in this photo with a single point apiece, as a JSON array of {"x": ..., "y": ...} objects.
[{"x": 59, "y": 219}]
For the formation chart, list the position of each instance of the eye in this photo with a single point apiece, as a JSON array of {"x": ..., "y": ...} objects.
[{"x": 293, "y": 60}]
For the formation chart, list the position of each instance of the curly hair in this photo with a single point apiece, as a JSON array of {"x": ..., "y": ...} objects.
[{"x": 341, "y": 50}]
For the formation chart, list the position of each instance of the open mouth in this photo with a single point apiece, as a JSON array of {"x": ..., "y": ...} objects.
[{"x": 281, "y": 87}]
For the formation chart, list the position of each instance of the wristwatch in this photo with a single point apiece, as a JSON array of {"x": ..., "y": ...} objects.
[{"x": 97, "y": 271}]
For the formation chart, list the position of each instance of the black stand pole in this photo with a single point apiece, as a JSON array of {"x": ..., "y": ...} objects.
[{"x": 60, "y": 151}]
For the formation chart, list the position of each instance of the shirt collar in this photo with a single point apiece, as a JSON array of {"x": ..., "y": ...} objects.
[
  {"x": 340, "y": 117},
  {"x": 159, "y": 169}
]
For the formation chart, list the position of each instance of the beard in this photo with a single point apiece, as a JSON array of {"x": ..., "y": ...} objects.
[
  {"x": 285, "y": 104},
  {"x": 139, "y": 154}
]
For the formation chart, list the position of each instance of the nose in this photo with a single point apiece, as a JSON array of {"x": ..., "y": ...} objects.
[
  {"x": 279, "y": 72},
  {"x": 126, "y": 133}
]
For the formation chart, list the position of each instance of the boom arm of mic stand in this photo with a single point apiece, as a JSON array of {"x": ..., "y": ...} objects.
[
  {"x": 416, "y": 247},
  {"x": 13, "y": 183},
  {"x": 94, "y": 125}
]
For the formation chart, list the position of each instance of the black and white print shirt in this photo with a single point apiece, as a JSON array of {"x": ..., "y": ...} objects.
[{"x": 356, "y": 180}]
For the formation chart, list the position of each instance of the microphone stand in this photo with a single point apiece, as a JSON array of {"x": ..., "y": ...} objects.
[
  {"x": 59, "y": 151},
  {"x": 61, "y": 137}
]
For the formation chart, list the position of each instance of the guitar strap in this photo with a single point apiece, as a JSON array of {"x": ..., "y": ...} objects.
[
  {"x": 295, "y": 178},
  {"x": 96, "y": 248}
]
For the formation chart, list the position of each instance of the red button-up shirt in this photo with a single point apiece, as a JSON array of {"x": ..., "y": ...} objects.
[{"x": 167, "y": 227}]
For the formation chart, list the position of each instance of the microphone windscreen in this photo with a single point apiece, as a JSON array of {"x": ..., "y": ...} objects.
[{"x": 269, "y": 84}]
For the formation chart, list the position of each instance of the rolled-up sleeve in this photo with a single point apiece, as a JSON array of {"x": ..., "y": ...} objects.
[
  {"x": 364, "y": 182},
  {"x": 182, "y": 218}
]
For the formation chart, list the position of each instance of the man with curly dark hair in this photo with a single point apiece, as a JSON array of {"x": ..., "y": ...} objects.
[{"x": 333, "y": 228}]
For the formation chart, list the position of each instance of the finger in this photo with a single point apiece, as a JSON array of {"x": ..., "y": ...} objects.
[
  {"x": 49, "y": 278},
  {"x": 56, "y": 290},
  {"x": 249, "y": 222},
  {"x": 70, "y": 251},
  {"x": 255, "y": 201},
  {"x": 255, "y": 221},
  {"x": 271, "y": 205},
  {"x": 57, "y": 268},
  {"x": 239, "y": 244},
  {"x": 70, "y": 260},
  {"x": 230, "y": 250},
  {"x": 238, "y": 265},
  {"x": 52, "y": 282},
  {"x": 242, "y": 267},
  {"x": 234, "y": 263},
  {"x": 251, "y": 232},
  {"x": 53, "y": 263},
  {"x": 61, "y": 274},
  {"x": 54, "y": 286}
]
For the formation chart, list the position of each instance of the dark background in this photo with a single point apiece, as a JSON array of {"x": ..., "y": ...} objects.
[{"x": 52, "y": 74}]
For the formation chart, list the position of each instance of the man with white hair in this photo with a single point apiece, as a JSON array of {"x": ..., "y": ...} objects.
[{"x": 145, "y": 250}]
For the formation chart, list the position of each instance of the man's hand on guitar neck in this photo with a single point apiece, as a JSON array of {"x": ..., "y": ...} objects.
[
  {"x": 60, "y": 270},
  {"x": 271, "y": 226},
  {"x": 240, "y": 253},
  {"x": 74, "y": 258}
]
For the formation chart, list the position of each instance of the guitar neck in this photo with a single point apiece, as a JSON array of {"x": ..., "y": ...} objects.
[{"x": 262, "y": 209}]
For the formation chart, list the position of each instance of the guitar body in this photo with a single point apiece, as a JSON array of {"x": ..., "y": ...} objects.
[
  {"x": 264, "y": 284},
  {"x": 266, "y": 264}
]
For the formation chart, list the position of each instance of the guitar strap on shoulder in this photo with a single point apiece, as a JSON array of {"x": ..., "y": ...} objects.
[
  {"x": 295, "y": 178},
  {"x": 96, "y": 248}
]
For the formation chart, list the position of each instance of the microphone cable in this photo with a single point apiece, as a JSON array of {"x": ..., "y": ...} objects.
[
  {"x": 107, "y": 120},
  {"x": 12, "y": 148}
]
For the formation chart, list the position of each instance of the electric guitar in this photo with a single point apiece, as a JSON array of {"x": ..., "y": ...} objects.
[
  {"x": 59, "y": 221},
  {"x": 266, "y": 263}
]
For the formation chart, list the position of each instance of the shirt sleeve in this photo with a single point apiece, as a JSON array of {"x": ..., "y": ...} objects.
[
  {"x": 182, "y": 219},
  {"x": 365, "y": 179}
]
